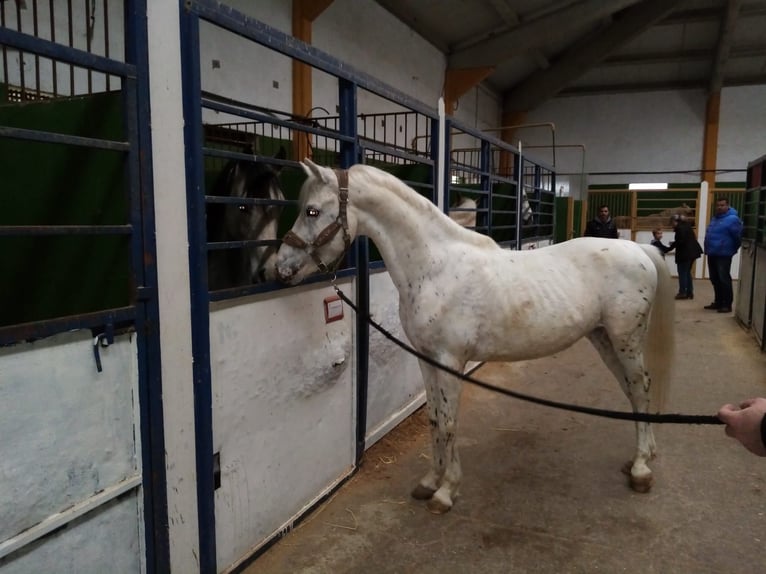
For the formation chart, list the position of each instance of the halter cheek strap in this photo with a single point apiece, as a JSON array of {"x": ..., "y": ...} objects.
[{"x": 327, "y": 234}]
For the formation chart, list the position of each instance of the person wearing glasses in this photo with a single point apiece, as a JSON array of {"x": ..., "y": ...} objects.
[{"x": 602, "y": 225}]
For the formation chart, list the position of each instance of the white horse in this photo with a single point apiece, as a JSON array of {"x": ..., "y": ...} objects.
[
  {"x": 462, "y": 297},
  {"x": 463, "y": 211}
]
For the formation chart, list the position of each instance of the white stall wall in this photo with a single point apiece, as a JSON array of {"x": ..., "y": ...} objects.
[
  {"x": 359, "y": 33},
  {"x": 395, "y": 385},
  {"x": 742, "y": 131},
  {"x": 68, "y": 434},
  {"x": 655, "y": 131},
  {"x": 284, "y": 411}
]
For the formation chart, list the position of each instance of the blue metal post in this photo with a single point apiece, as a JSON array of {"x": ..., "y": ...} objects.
[
  {"x": 486, "y": 185},
  {"x": 518, "y": 167},
  {"x": 147, "y": 307},
  {"x": 349, "y": 155},
  {"x": 444, "y": 163},
  {"x": 195, "y": 196}
]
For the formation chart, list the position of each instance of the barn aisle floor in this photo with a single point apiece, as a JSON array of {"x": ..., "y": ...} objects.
[{"x": 542, "y": 489}]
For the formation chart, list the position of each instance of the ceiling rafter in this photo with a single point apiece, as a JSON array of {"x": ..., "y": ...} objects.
[
  {"x": 668, "y": 57},
  {"x": 725, "y": 40},
  {"x": 533, "y": 34},
  {"x": 543, "y": 85},
  {"x": 699, "y": 84},
  {"x": 511, "y": 18}
]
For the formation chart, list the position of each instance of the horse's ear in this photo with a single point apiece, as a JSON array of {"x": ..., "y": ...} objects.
[{"x": 317, "y": 171}]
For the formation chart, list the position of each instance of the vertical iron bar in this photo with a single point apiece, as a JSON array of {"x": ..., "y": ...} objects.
[
  {"x": 22, "y": 80},
  {"x": 54, "y": 63},
  {"x": 71, "y": 45},
  {"x": 518, "y": 168},
  {"x": 445, "y": 162},
  {"x": 5, "y": 52},
  {"x": 35, "y": 27},
  {"x": 484, "y": 167},
  {"x": 89, "y": 40},
  {"x": 147, "y": 307},
  {"x": 106, "y": 42},
  {"x": 349, "y": 155},
  {"x": 200, "y": 298}
]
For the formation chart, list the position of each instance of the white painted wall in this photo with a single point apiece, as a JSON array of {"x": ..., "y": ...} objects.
[
  {"x": 742, "y": 131},
  {"x": 361, "y": 34},
  {"x": 656, "y": 131},
  {"x": 69, "y": 433},
  {"x": 284, "y": 410},
  {"x": 395, "y": 385}
]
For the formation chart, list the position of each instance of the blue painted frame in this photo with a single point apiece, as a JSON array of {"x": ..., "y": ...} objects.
[{"x": 144, "y": 312}]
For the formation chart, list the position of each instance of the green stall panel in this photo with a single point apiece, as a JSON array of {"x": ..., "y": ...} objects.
[{"x": 53, "y": 184}]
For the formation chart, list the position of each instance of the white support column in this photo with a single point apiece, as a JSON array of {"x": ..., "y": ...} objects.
[
  {"x": 440, "y": 183},
  {"x": 699, "y": 272},
  {"x": 173, "y": 279}
]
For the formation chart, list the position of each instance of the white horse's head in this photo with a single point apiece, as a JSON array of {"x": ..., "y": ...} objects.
[
  {"x": 527, "y": 212},
  {"x": 324, "y": 229}
]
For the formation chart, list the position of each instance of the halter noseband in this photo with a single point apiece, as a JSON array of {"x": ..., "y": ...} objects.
[{"x": 326, "y": 235}]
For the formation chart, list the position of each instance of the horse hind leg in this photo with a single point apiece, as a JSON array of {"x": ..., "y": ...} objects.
[
  {"x": 441, "y": 484},
  {"x": 627, "y": 365}
]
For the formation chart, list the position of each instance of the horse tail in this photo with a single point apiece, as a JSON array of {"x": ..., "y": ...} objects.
[{"x": 661, "y": 337}]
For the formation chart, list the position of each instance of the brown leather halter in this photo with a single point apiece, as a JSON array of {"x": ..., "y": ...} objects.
[{"x": 326, "y": 235}]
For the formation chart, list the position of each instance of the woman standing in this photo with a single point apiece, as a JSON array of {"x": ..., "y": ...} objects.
[{"x": 687, "y": 250}]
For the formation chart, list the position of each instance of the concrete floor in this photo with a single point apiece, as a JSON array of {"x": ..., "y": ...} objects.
[{"x": 542, "y": 489}]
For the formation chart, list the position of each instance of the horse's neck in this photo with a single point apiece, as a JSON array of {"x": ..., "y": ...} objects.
[{"x": 408, "y": 230}]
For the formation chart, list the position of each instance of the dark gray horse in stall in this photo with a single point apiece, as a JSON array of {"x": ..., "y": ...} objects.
[{"x": 233, "y": 267}]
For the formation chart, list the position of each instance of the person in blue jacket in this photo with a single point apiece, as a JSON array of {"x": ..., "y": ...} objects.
[{"x": 722, "y": 240}]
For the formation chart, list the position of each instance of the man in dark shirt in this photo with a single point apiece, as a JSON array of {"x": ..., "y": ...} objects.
[{"x": 602, "y": 225}]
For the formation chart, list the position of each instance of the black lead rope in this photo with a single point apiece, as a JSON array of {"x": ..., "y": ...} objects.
[{"x": 620, "y": 415}]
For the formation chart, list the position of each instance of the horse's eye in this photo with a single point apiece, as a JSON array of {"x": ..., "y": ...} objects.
[{"x": 312, "y": 212}]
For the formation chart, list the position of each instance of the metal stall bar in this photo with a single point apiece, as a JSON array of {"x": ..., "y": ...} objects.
[
  {"x": 27, "y": 43},
  {"x": 349, "y": 155},
  {"x": 157, "y": 536},
  {"x": 200, "y": 301}
]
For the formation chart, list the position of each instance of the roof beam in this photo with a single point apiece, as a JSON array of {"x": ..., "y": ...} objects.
[
  {"x": 725, "y": 40},
  {"x": 533, "y": 34},
  {"x": 512, "y": 20},
  {"x": 699, "y": 84},
  {"x": 709, "y": 14},
  {"x": 543, "y": 85}
]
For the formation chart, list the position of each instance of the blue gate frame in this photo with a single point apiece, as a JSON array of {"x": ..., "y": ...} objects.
[{"x": 143, "y": 311}]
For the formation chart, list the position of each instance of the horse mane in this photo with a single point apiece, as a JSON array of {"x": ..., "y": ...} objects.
[{"x": 368, "y": 177}]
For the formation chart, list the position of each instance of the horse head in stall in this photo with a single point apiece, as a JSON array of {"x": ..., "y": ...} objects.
[{"x": 246, "y": 221}]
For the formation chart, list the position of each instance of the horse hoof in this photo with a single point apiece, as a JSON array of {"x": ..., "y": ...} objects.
[
  {"x": 436, "y": 506},
  {"x": 640, "y": 484},
  {"x": 422, "y": 492}
]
